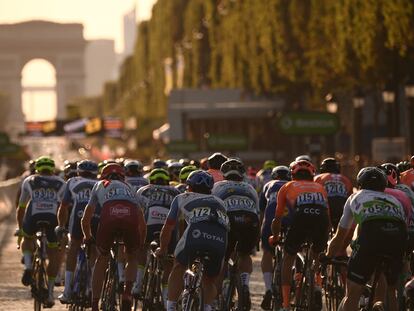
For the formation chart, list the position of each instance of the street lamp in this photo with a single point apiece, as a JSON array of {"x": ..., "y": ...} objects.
[
  {"x": 358, "y": 102},
  {"x": 331, "y": 104},
  {"x": 409, "y": 93},
  {"x": 388, "y": 96}
]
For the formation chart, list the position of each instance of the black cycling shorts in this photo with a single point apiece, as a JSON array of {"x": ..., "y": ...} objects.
[
  {"x": 308, "y": 227},
  {"x": 244, "y": 230},
  {"x": 203, "y": 238},
  {"x": 378, "y": 238}
]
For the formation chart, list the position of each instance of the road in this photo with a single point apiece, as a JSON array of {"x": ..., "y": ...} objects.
[{"x": 14, "y": 296}]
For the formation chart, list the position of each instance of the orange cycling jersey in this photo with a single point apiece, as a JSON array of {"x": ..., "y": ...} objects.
[
  {"x": 335, "y": 184},
  {"x": 407, "y": 178},
  {"x": 301, "y": 193}
]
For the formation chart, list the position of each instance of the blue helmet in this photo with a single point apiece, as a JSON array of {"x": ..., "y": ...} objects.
[
  {"x": 87, "y": 166},
  {"x": 200, "y": 181}
]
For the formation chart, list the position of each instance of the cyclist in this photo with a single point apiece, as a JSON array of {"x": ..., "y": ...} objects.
[
  {"x": 185, "y": 171},
  {"x": 133, "y": 174},
  {"x": 174, "y": 169},
  {"x": 265, "y": 174},
  {"x": 267, "y": 203},
  {"x": 338, "y": 187},
  {"x": 382, "y": 231},
  {"x": 119, "y": 214},
  {"x": 407, "y": 177},
  {"x": 403, "y": 166},
  {"x": 214, "y": 163},
  {"x": 206, "y": 231},
  {"x": 39, "y": 200},
  {"x": 306, "y": 203},
  {"x": 185, "y": 162},
  {"x": 242, "y": 204},
  {"x": 77, "y": 194},
  {"x": 69, "y": 169},
  {"x": 156, "y": 200}
]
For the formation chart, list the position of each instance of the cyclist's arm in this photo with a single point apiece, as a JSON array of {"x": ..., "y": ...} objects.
[
  {"x": 86, "y": 221},
  {"x": 64, "y": 207},
  {"x": 280, "y": 209},
  {"x": 23, "y": 200},
  {"x": 168, "y": 228},
  {"x": 341, "y": 234},
  {"x": 142, "y": 227}
]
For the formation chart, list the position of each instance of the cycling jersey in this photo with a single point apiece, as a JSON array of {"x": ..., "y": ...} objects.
[
  {"x": 407, "y": 178},
  {"x": 181, "y": 187},
  {"x": 369, "y": 205},
  {"x": 262, "y": 178},
  {"x": 242, "y": 204},
  {"x": 116, "y": 211},
  {"x": 136, "y": 182},
  {"x": 41, "y": 196},
  {"x": 206, "y": 231},
  {"x": 268, "y": 202},
  {"x": 77, "y": 194},
  {"x": 382, "y": 232},
  {"x": 338, "y": 188},
  {"x": 306, "y": 203}
]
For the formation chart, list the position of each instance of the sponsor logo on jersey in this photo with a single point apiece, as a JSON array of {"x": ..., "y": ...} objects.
[
  {"x": 120, "y": 211},
  {"x": 207, "y": 236}
]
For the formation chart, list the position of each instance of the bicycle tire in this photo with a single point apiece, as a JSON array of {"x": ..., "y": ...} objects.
[
  {"x": 229, "y": 302},
  {"x": 277, "y": 297},
  {"x": 39, "y": 288}
]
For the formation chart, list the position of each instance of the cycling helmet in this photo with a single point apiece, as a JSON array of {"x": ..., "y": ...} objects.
[
  {"x": 32, "y": 167},
  {"x": 302, "y": 166},
  {"x": 269, "y": 164},
  {"x": 159, "y": 174},
  {"x": 204, "y": 164},
  {"x": 403, "y": 166},
  {"x": 70, "y": 169},
  {"x": 157, "y": 163},
  {"x": 372, "y": 178},
  {"x": 113, "y": 171},
  {"x": 233, "y": 167},
  {"x": 281, "y": 172},
  {"x": 393, "y": 175},
  {"x": 133, "y": 167},
  {"x": 87, "y": 166},
  {"x": 44, "y": 164},
  {"x": 303, "y": 157},
  {"x": 412, "y": 161},
  {"x": 120, "y": 161},
  {"x": 330, "y": 165},
  {"x": 185, "y": 171},
  {"x": 174, "y": 169},
  {"x": 185, "y": 162},
  {"x": 196, "y": 163},
  {"x": 200, "y": 181},
  {"x": 216, "y": 160}
]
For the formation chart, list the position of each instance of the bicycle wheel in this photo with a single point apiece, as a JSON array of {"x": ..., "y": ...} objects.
[
  {"x": 39, "y": 286},
  {"x": 194, "y": 300},
  {"x": 304, "y": 295},
  {"x": 277, "y": 298},
  {"x": 109, "y": 290},
  {"x": 229, "y": 296}
]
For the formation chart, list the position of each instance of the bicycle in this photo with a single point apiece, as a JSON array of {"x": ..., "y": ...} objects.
[
  {"x": 191, "y": 298},
  {"x": 152, "y": 286},
  {"x": 80, "y": 299},
  {"x": 111, "y": 299},
  {"x": 305, "y": 283},
  {"x": 39, "y": 286},
  {"x": 235, "y": 287},
  {"x": 333, "y": 282},
  {"x": 277, "y": 297}
]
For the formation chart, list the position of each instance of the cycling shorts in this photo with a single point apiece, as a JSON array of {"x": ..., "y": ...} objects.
[
  {"x": 75, "y": 229},
  {"x": 203, "y": 238},
  {"x": 378, "y": 238},
  {"x": 118, "y": 220},
  {"x": 244, "y": 230},
  {"x": 30, "y": 225},
  {"x": 336, "y": 208},
  {"x": 267, "y": 226},
  {"x": 307, "y": 226}
]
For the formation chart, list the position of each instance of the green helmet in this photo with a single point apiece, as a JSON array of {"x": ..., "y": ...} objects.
[
  {"x": 185, "y": 171},
  {"x": 44, "y": 164},
  {"x": 159, "y": 173},
  {"x": 269, "y": 164}
]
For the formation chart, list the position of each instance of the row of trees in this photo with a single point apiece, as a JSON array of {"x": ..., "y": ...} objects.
[{"x": 299, "y": 49}]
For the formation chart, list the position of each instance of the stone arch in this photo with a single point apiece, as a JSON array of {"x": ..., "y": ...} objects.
[{"x": 63, "y": 45}]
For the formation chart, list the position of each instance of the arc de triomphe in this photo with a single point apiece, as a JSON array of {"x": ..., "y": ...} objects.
[{"x": 62, "y": 45}]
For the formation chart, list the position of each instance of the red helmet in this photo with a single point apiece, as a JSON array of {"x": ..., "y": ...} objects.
[
  {"x": 302, "y": 165},
  {"x": 112, "y": 169}
]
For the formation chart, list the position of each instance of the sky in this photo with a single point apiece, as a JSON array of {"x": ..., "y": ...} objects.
[{"x": 102, "y": 19}]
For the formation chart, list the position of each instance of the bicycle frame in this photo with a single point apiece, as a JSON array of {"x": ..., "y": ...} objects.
[
  {"x": 80, "y": 298},
  {"x": 192, "y": 296},
  {"x": 109, "y": 299}
]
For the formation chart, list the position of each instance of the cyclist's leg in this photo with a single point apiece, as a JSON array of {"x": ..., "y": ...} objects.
[
  {"x": 353, "y": 293},
  {"x": 98, "y": 278},
  {"x": 71, "y": 257},
  {"x": 53, "y": 254},
  {"x": 28, "y": 247},
  {"x": 268, "y": 251},
  {"x": 175, "y": 282}
]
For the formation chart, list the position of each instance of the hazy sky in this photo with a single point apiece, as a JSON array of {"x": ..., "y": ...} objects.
[{"x": 101, "y": 19}]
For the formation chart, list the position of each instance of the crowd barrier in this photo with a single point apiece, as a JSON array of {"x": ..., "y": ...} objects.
[{"x": 8, "y": 193}]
